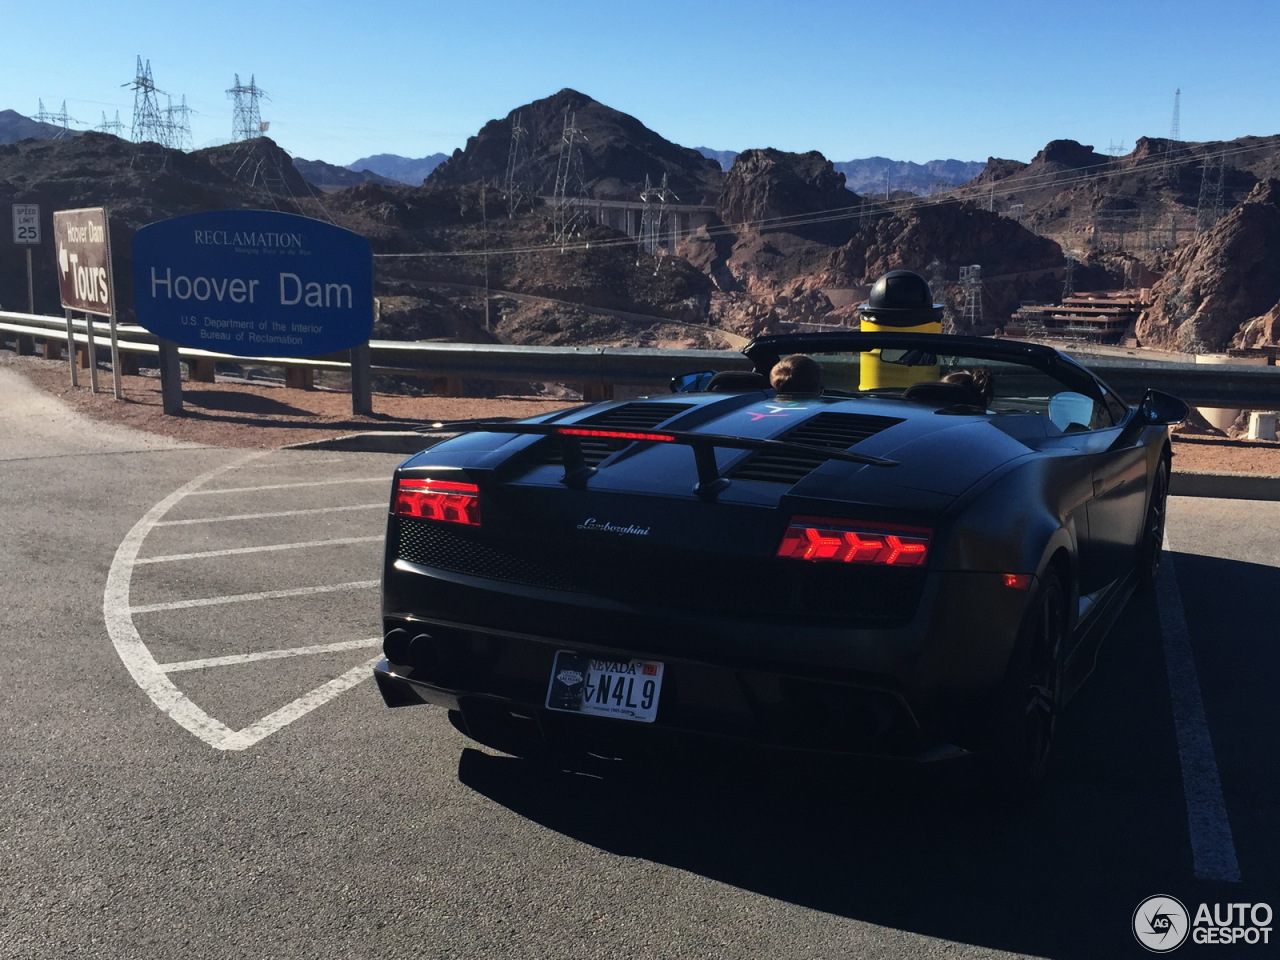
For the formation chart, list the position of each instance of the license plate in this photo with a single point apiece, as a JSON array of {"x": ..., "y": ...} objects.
[{"x": 622, "y": 689}]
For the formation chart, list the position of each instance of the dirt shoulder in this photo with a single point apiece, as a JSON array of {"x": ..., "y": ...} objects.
[
  {"x": 264, "y": 415},
  {"x": 256, "y": 414}
]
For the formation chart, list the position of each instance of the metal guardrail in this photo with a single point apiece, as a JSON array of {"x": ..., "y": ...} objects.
[
  {"x": 1210, "y": 385},
  {"x": 599, "y": 366}
]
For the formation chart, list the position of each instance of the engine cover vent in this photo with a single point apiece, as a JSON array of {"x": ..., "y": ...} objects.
[
  {"x": 629, "y": 416},
  {"x": 834, "y": 431}
]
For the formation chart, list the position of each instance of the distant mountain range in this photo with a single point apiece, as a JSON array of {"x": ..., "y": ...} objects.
[
  {"x": 401, "y": 169},
  {"x": 879, "y": 176},
  {"x": 873, "y": 176},
  {"x": 328, "y": 176}
]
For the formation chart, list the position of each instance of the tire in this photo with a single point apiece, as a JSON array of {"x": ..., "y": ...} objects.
[
  {"x": 1152, "y": 544},
  {"x": 1030, "y": 699}
]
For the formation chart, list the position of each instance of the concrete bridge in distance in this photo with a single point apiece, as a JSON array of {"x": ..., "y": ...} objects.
[{"x": 679, "y": 220}]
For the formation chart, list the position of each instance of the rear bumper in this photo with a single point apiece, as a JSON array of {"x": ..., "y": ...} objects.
[
  {"x": 497, "y": 686},
  {"x": 811, "y": 682}
]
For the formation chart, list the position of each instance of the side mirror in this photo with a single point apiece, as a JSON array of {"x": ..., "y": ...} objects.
[
  {"x": 692, "y": 382},
  {"x": 1162, "y": 408}
]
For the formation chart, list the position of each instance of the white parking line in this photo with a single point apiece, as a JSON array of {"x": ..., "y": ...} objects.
[
  {"x": 321, "y": 695},
  {"x": 308, "y": 463},
  {"x": 268, "y": 548},
  {"x": 236, "y": 659},
  {"x": 1213, "y": 850},
  {"x": 155, "y": 682},
  {"x": 381, "y": 505},
  {"x": 247, "y": 597},
  {"x": 291, "y": 486}
]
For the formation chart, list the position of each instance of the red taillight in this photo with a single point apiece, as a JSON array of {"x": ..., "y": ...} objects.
[
  {"x": 445, "y": 500},
  {"x": 844, "y": 541}
]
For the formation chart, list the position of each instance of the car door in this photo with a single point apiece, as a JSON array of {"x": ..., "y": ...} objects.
[{"x": 1118, "y": 497}]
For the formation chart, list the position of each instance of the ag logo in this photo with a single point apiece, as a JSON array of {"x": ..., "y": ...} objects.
[{"x": 1161, "y": 924}]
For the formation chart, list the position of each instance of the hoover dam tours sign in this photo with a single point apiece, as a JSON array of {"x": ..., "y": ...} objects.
[
  {"x": 84, "y": 260},
  {"x": 254, "y": 283}
]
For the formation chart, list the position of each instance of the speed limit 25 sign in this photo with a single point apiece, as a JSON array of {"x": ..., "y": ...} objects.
[{"x": 26, "y": 223}]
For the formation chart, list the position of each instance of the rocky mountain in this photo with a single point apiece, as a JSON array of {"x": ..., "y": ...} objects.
[
  {"x": 400, "y": 169},
  {"x": 1148, "y": 201},
  {"x": 545, "y": 297},
  {"x": 138, "y": 184},
  {"x": 612, "y": 154},
  {"x": 783, "y": 240},
  {"x": 1222, "y": 289},
  {"x": 792, "y": 244}
]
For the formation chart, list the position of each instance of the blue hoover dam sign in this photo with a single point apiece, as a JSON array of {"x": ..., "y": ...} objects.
[{"x": 254, "y": 283}]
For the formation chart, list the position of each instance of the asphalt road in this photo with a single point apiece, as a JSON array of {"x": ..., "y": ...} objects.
[{"x": 195, "y": 763}]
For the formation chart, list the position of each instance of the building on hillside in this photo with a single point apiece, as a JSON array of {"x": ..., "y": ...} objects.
[{"x": 1106, "y": 316}]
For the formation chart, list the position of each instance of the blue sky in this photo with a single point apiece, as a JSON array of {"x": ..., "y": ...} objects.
[{"x": 908, "y": 80}]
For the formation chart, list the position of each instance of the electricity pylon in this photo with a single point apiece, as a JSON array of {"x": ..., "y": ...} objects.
[
  {"x": 565, "y": 206},
  {"x": 148, "y": 122},
  {"x": 246, "y": 121}
]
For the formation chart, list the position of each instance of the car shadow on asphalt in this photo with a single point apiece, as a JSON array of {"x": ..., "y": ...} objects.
[{"x": 921, "y": 850}]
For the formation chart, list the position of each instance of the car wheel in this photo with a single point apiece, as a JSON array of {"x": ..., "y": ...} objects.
[
  {"x": 1031, "y": 697},
  {"x": 1153, "y": 529}
]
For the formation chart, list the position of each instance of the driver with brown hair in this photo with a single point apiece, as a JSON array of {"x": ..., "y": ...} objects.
[
  {"x": 797, "y": 374},
  {"x": 979, "y": 380}
]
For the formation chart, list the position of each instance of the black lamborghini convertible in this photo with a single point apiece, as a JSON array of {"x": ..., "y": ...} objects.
[{"x": 917, "y": 562}]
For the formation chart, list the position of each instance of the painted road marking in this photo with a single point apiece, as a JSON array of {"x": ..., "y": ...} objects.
[
  {"x": 381, "y": 505},
  {"x": 233, "y": 551},
  {"x": 153, "y": 678},
  {"x": 290, "y": 486},
  {"x": 273, "y": 464},
  {"x": 241, "y": 739},
  {"x": 247, "y": 597},
  {"x": 1213, "y": 849},
  {"x": 236, "y": 659}
]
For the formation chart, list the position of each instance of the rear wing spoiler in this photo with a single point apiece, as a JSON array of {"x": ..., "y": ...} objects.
[{"x": 710, "y": 482}]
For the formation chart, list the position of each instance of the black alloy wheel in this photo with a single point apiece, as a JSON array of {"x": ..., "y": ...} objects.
[
  {"x": 1152, "y": 545},
  {"x": 1031, "y": 699}
]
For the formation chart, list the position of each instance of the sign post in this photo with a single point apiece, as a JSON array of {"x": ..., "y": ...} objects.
[
  {"x": 84, "y": 280},
  {"x": 26, "y": 231}
]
